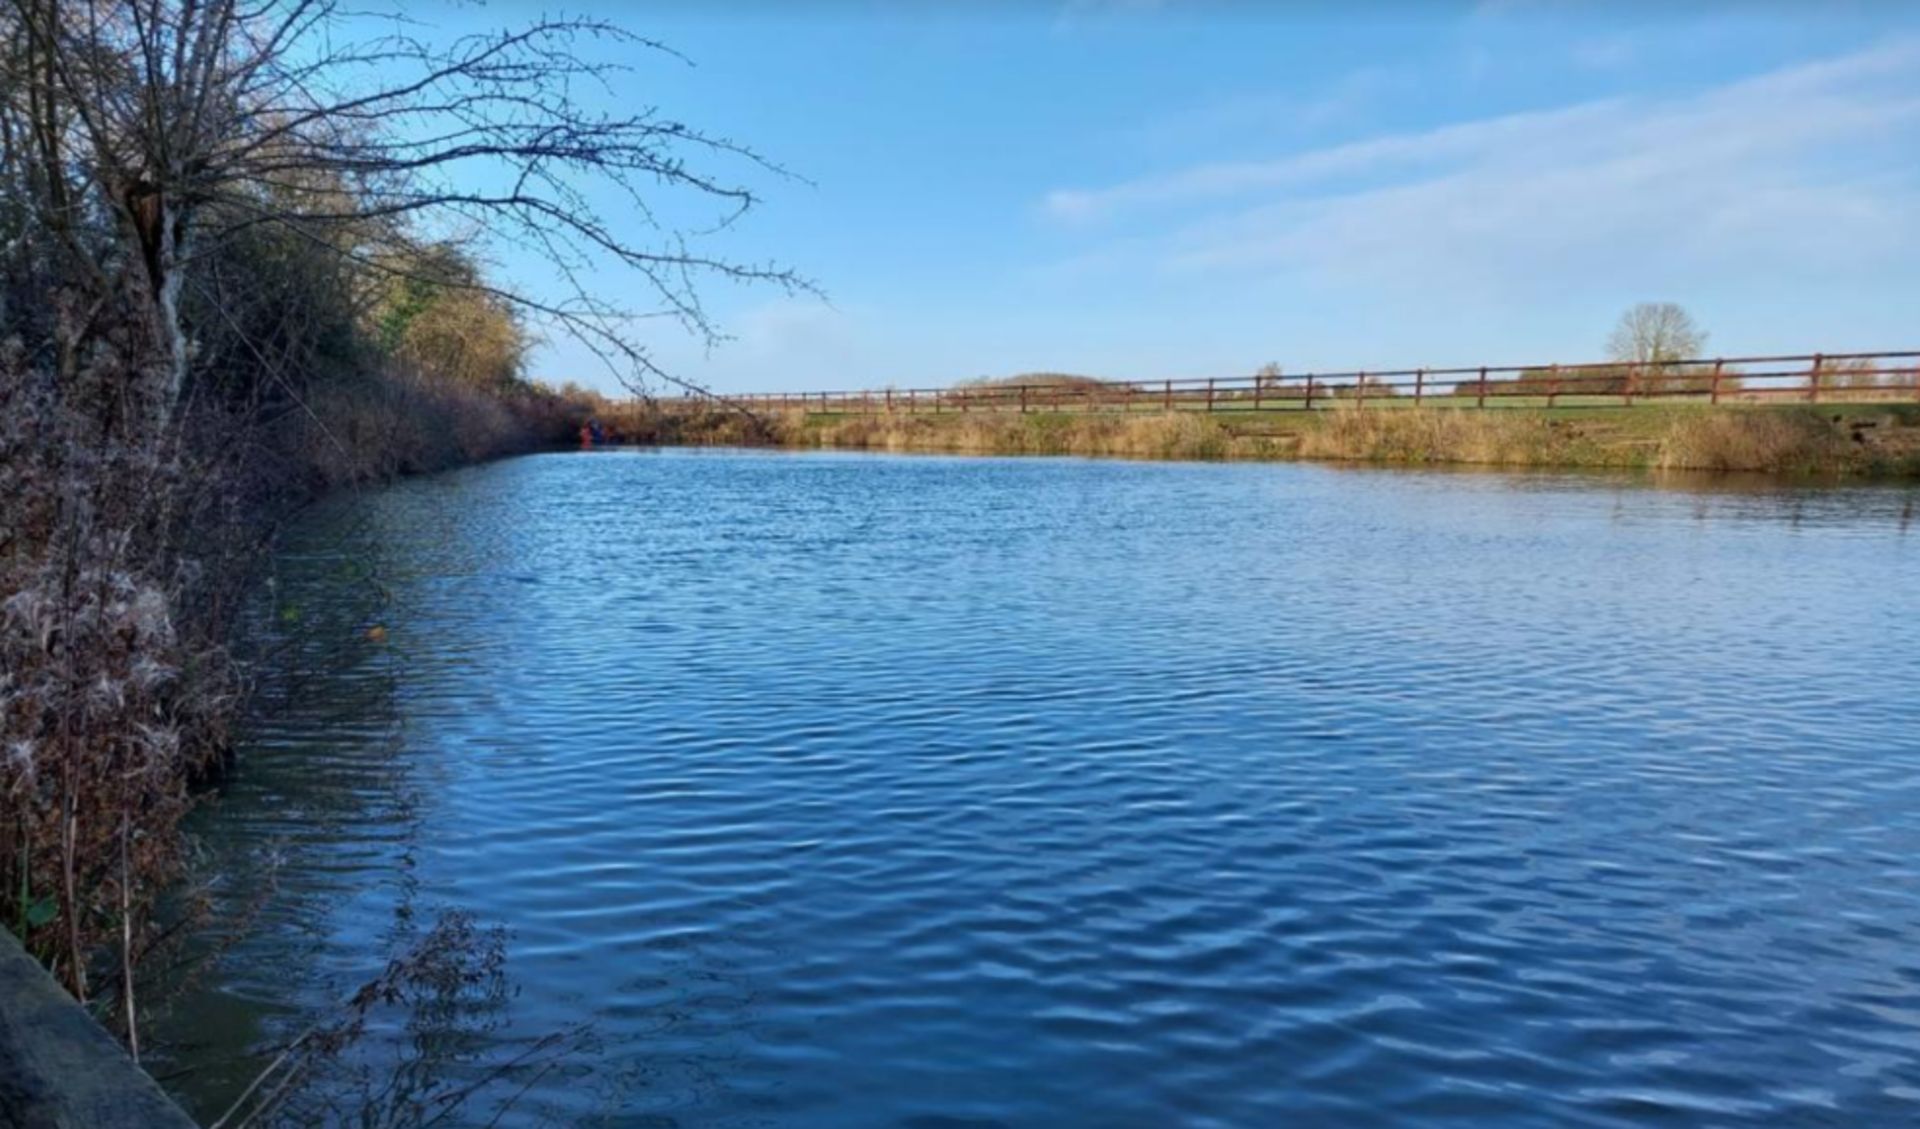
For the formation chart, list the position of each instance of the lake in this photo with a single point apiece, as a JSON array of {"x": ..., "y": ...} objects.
[{"x": 859, "y": 790}]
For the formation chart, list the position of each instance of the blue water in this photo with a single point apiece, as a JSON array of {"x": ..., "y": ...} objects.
[{"x": 852, "y": 790}]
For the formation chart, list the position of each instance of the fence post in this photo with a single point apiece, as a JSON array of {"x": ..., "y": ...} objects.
[
  {"x": 1553, "y": 384},
  {"x": 1483, "y": 388},
  {"x": 1713, "y": 385},
  {"x": 1023, "y": 399},
  {"x": 1309, "y": 391},
  {"x": 1167, "y": 404},
  {"x": 1813, "y": 380},
  {"x": 889, "y": 401},
  {"x": 1419, "y": 386},
  {"x": 1258, "y": 380},
  {"x": 1209, "y": 393}
]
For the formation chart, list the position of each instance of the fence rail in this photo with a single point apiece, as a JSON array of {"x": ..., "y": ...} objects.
[{"x": 1808, "y": 378}]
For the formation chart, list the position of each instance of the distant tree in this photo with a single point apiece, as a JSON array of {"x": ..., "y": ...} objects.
[
  {"x": 1656, "y": 333},
  {"x": 1855, "y": 375},
  {"x": 1373, "y": 387},
  {"x": 1652, "y": 339}
]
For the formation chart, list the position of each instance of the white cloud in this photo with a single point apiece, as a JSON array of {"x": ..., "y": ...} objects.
[
  {"x": 1803, "y": 168},
  {"x": 1374, "y": 156}
]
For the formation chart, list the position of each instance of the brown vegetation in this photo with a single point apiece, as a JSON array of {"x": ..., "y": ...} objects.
[
  {"x": 1440, "y": 435},
  {"x": 225, "y": 286},
  {"x": 1763, "y": 441},
  {"x": 1181, "y": 435},
  {"x": 1777, "y": 439},
  {"x": 123, "y": 555}
]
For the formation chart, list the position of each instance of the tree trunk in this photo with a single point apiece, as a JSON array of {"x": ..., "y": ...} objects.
[{"x": 159, "y": 232}]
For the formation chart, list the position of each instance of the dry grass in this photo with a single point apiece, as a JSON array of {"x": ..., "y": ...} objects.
[
  {"x": 1440, "y": 435},
  {"x": 109, "y": 703},
  {"x": 1171, "y": 436},
  {"x": 695, "y": 425},
  {"x": 1734, "y": 438},
  {"x": 1788, "y": 442}
]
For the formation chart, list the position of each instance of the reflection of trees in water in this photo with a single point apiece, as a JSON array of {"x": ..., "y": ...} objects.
[
  {"x": 685, "y": 1055},
  {"x": 419, "y": 1044},
  {"x": 318, "y": 776},
  {"x": 423, "y": 1041},
  {"x": 395, "y": 1011}
]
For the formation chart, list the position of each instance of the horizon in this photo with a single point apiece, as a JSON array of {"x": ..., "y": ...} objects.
[{"x": 1141, "y": 191}]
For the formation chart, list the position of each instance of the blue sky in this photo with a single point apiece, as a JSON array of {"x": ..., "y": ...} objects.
[{"x": 1138, "y": 190}]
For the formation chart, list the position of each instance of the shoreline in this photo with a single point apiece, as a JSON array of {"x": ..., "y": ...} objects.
[{"x": 1864, "y": 440}]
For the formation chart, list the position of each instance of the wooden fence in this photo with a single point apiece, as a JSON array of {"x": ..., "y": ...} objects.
[{"x": 1813, "y": 378}]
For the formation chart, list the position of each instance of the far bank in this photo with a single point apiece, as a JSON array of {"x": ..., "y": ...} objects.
[{"x": 1854, "y": 440}]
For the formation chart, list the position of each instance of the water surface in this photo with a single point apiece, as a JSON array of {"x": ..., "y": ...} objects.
[{"x": 847, "y": 790}]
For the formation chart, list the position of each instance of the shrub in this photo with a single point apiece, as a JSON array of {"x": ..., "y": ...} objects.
[{"x": 1756, "y": 441}]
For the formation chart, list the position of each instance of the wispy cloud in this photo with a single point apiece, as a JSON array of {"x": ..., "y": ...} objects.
[
  {"x": 1809, "y": 165},
  {"x": 1270, "y": 113},
  {"x": 1402, "y": 152}
]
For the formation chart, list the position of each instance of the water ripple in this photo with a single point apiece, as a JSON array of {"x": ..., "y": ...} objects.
[{"x": 849, "y": 791}]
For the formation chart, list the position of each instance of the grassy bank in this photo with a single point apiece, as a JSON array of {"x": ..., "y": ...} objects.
[{"x": 1853, "y": 440}]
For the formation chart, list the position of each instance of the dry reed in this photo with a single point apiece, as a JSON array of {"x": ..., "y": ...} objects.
[{"x": 1778, "y": 439}]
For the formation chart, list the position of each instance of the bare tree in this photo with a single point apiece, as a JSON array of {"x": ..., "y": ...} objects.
[
  {"x": 194, "y": 191},
  {"x": 1656, "y": 333},
  {"x": 174, "y": 124}
]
